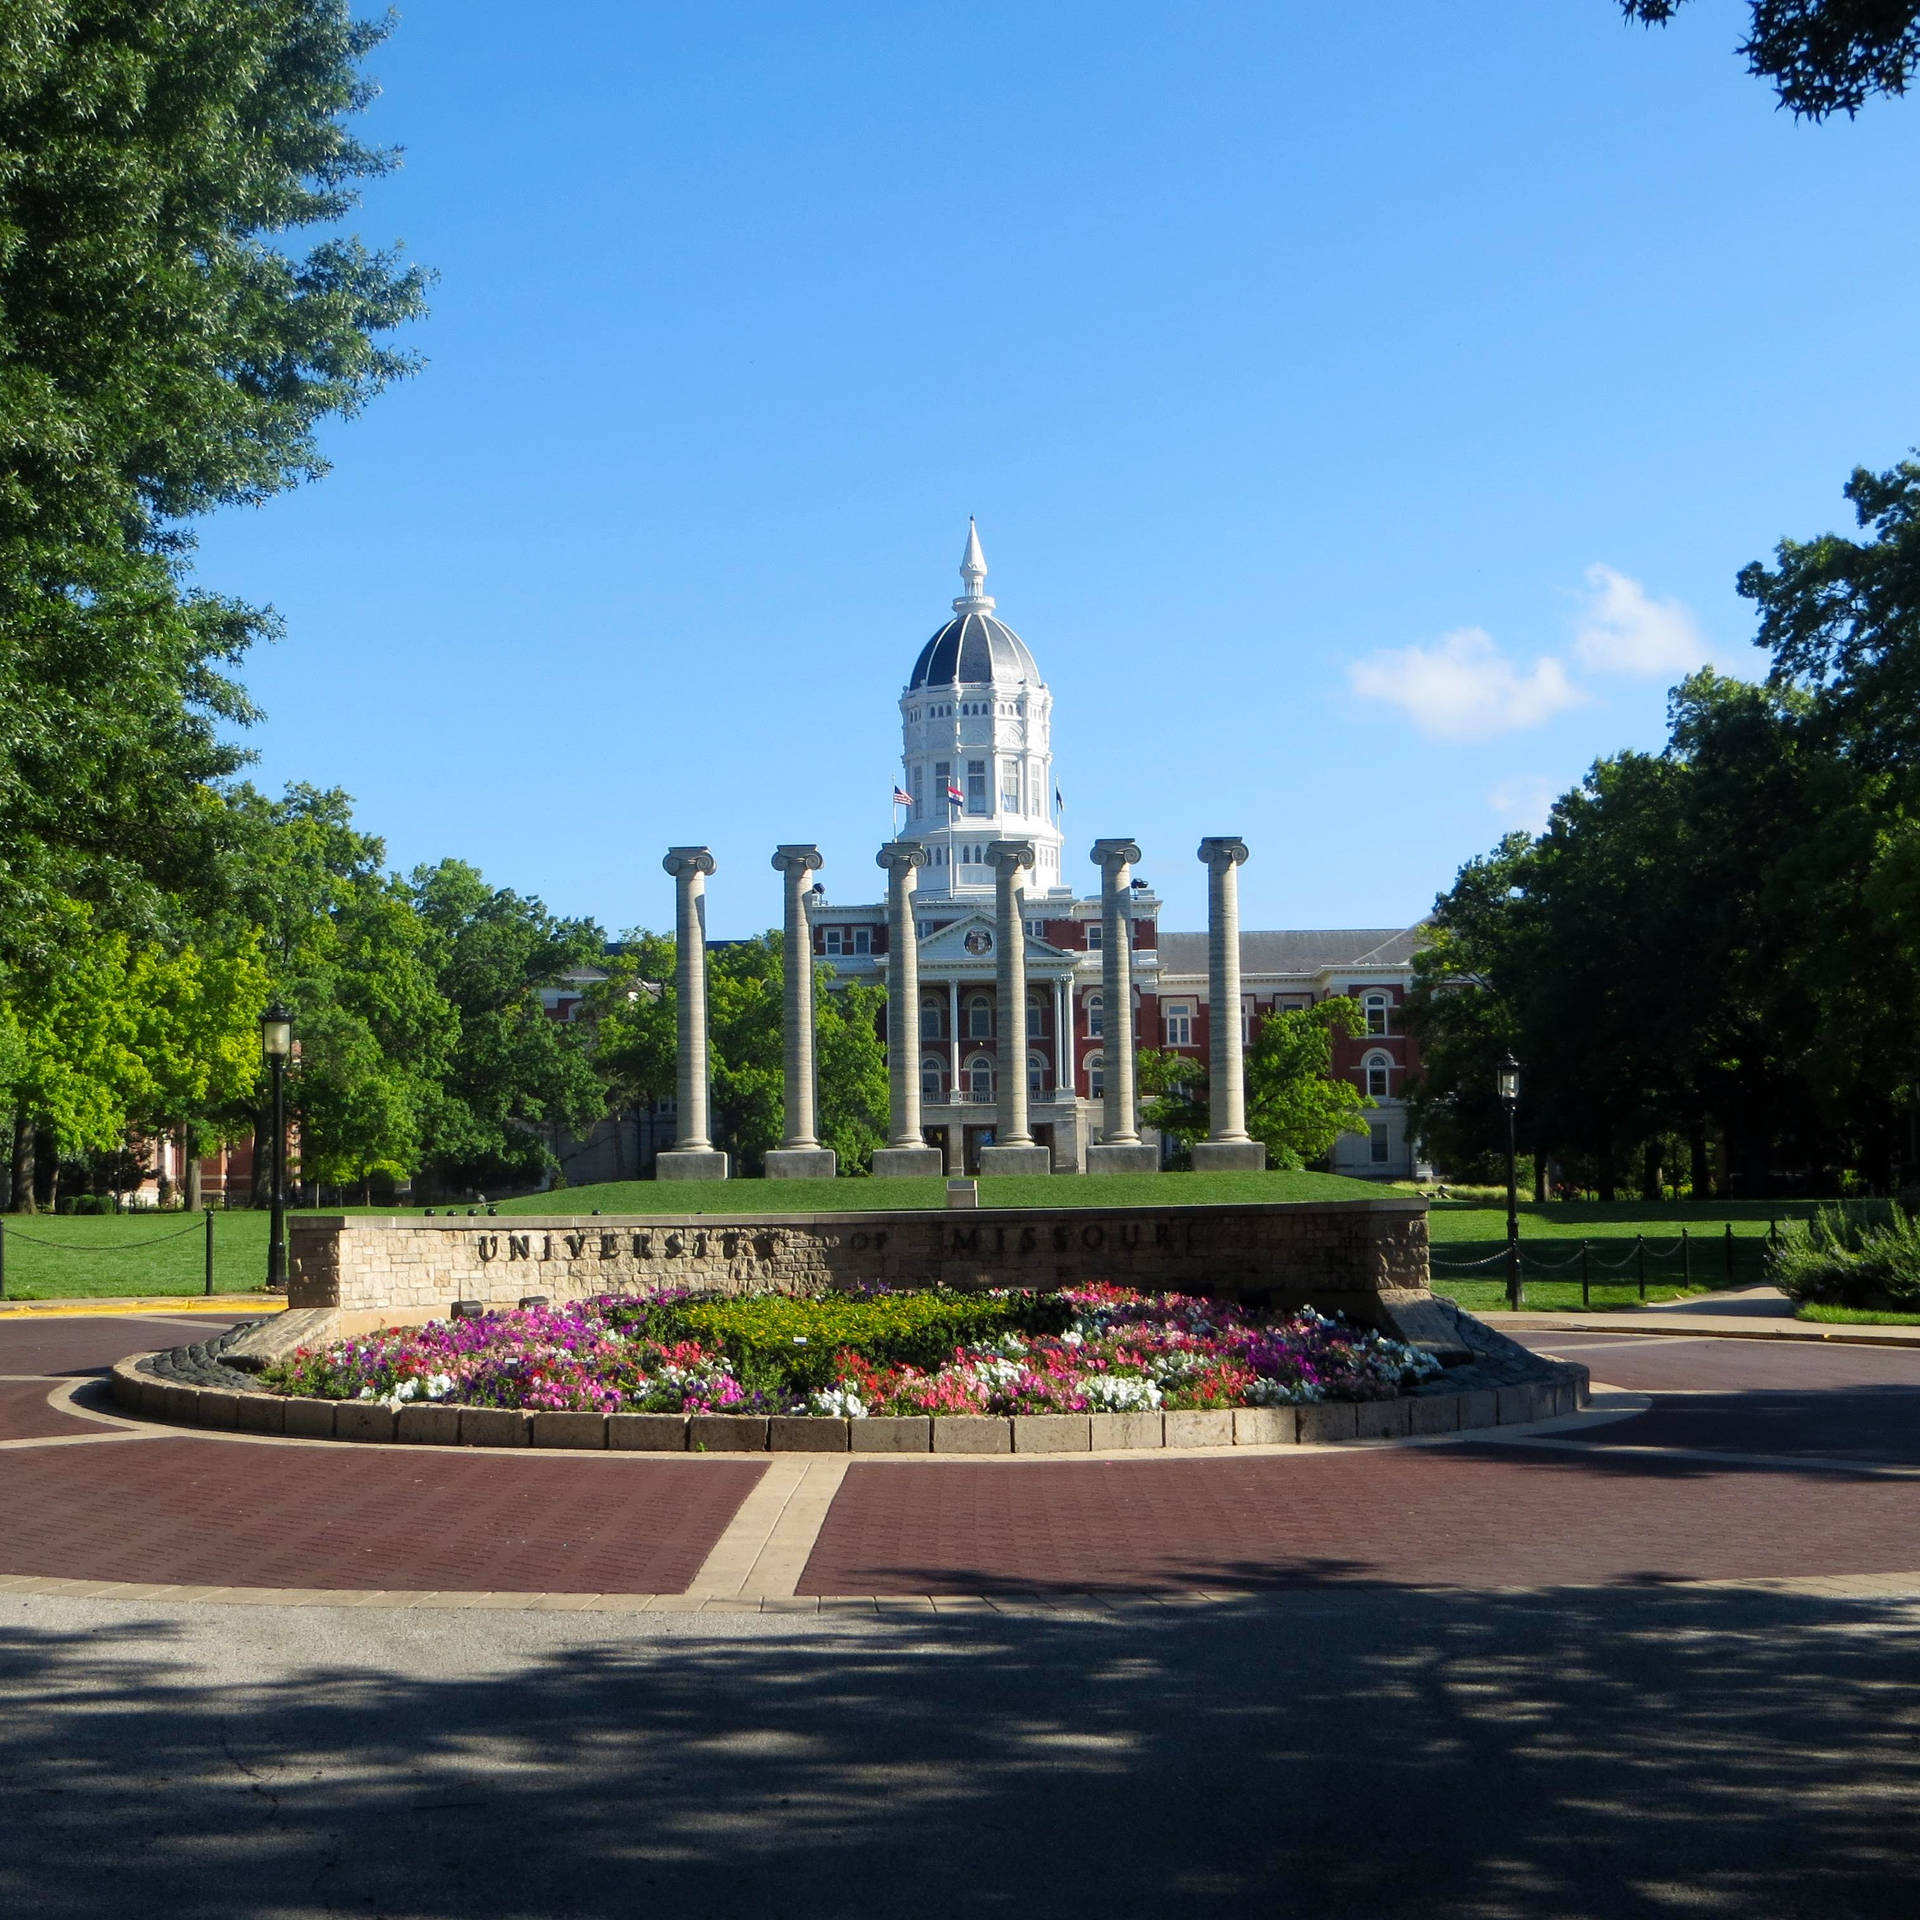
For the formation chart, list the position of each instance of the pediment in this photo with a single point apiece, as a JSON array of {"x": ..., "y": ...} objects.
[{"x": 974, "y": 940}]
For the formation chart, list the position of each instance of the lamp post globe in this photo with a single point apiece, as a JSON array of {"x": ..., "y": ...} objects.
[
  {"x": 1507, "y": 1080},
  {"x": 276, "y": 1045}
]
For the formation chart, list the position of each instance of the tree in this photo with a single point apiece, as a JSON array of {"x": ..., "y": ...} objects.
[
  {"x": 161, "y": 354},
  {"x": 1823, "y": 56},
  {"x": 1296, "y": 1105},
  {"x": 1172, "y": 1089},
  {"x": 515, "y": 1075}
]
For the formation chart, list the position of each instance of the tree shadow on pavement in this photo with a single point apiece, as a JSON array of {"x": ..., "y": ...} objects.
[{"x": 1353, "y": 1752}]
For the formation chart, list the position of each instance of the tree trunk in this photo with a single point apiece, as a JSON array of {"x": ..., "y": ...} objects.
[
  {"x": 1606, "y": 1176},
  {"x": 261, "y": 1183},
  {"x": 47, "y": 1156},
  {"x": 22, "y": 1170},
  {"x": 1539, "y": 1177},
  {"x": 190, "y": 1166},
  {"x": 1650, "y": 1166},
  {"x": 1701, "y": 1169}
]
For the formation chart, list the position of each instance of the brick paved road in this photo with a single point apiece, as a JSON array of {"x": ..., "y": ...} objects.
[{"x": 201, "y": 1509}]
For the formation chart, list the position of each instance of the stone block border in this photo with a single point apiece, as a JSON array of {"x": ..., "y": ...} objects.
[{"x": 1438, "y": 1409}]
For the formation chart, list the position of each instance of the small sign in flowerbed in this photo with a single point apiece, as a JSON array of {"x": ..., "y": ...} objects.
[{"x": 1094, "y": 1349}]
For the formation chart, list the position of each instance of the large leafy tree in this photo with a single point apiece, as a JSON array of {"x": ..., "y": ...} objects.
[
  {"x": 515, "y": 1076},
  {"x": 1823, "y": 56},
  {"x": 163, "y": 351}
]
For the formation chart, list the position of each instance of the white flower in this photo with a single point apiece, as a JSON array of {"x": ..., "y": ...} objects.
[
  {"x": 1120, "y": 1393},
  {"x": 838, "y": 1402},
  {"x": 439, "y": 1385}
]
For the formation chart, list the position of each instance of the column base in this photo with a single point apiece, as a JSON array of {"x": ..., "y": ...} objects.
[
  {"x": 908, "y": 1163},
  {"x": 802, "y": 1163},
  {"x": 1123, "y": 1157},
  {"x": 997, "y": 1162},
  {"x": 1229, "y": 1156},
  {"x": 690, "y": 1163}
]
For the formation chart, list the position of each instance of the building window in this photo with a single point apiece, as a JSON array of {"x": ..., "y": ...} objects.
[
  {"x": 1377, "y": 1146},
  {"x": 933, "y": 1081},
  {"x": 980, "y": 1077},
  {"x": 932, "y": 1018},
  {"x": 1377, "y": 1068},
  {"x": 976, "y": 786},
  {"x": 1010, "y": 786},
  {"x": 979, "y": 1018},
  {"x": 1096, "y": 1065},
  {"x": 1036, "y": 929},
  {"x": 1179, "y": 1021},
  {"x": 1096, "y": 936},
  {"x": 1377, "y": 1005},
  {"x": 862, "y": 940},
  {"x": 1037, "y": 1010},
  {"x": 919, "y": 794},
  {"x": 1096, "y": 1007},
  {"x": 835, "y": 937},
  {"x": 1037, "y": 1073},
  {"x": 942, "y": 788}
]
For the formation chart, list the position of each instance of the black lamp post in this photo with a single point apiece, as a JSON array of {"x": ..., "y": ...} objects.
[
  {"x": 276, "y": 1043},
  {"x": 1508, "y": 1080}
]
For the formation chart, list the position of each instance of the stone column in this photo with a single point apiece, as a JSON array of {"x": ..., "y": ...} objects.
[
  {"x": 692, "y": 1155},
  {"x": 906, "y": 1156},
  {"x": 1227, "y": 1149},
  {"x": 1013, "y": 1150},
  {"x": 1121, "y": 1151},
  {"x": 799, "y": 1156}
]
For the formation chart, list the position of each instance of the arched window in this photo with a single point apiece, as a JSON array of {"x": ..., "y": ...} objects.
[
  {"x": 1037, "y": 1010},
  {"x": 1096, "y": 1065},
  {"x": 933, "y": 1017},
  {"x": 1037, "y": 1073},
  {"x": 933, "y": 1080},
  {"x": 1378, "y": 1006},
  {"x": 1377, "y": 1066},
  {"x": 1096, "y": 1006},
  {"x": 979, "y": 1017},
  {"x": 980, "y": 1077}
]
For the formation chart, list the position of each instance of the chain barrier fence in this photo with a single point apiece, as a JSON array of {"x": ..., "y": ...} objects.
[
  {"x": 202, "y": 1226},
  {"x": 1705, "y": 1260}
]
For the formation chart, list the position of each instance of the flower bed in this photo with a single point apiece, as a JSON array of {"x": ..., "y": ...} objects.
[{"x": 1093, "y": 1349}]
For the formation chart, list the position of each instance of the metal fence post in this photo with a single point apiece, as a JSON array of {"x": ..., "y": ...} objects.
[
  {"x": 3, "y": 1259},
  {"x": 209, "y": 1252},
  {"x": 1729, "y": 1253},
  {"x": 1586, "y": 1299},
  {"x": 1640, "y": 1257},
  {"x": 1686, "y": 1259}
]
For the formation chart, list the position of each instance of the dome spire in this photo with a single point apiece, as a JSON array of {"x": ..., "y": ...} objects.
[{"x": 973, "y": 570}]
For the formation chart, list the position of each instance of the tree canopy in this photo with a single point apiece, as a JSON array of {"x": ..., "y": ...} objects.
[{"x": 1823, "y": 56}]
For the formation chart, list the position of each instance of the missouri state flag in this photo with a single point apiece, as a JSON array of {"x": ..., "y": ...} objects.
[{"x": 955, "y": 796}]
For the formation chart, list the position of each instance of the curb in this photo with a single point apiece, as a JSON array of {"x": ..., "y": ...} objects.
[
  {"x": 1812, "y": 1332},
  {"x": 1411, "y": 1416},
  {"x": 254, "y": 1304}
]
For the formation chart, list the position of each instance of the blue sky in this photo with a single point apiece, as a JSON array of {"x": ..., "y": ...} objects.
[{"x": 1366, "y": 410}]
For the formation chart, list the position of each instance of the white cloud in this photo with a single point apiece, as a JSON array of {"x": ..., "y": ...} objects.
[
  {"x": 1524, "y": 801},
  {"x": 1464, "y": 688},
  {"x": 1624, "y": 630}
]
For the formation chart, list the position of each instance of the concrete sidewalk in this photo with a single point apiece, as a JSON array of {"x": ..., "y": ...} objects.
[{"x": 1743, "y": 1313}]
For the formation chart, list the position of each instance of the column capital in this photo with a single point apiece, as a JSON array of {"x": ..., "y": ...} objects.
[
  {"x": 1010, "y": 856},
  {"x": 1108, "y": 854},
  {"x": 798, "y": 859},
  {"x": 1223, "y": 850},
  {"x": 681, "y": 861},
  {"x": 901, "y": 856}
]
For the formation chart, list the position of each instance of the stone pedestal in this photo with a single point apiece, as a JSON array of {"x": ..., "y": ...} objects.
[
  {"x": 802, "y": 1163},
  {"x": 1229, "y": 1156},
  {"x": 995, "y": 1162},
  {"x": 908, "y": 1163},
  {"x": 690, "y": 1163},
  {"x": 799, "y": 1156},
  {"x": 1123, "y": 1156}
]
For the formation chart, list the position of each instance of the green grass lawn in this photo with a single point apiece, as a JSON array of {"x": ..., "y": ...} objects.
[
  {"x": 1856, "y": 1316},
  {"x": 106, "y": 1256},
  {"x": 893, "y": 1196}
]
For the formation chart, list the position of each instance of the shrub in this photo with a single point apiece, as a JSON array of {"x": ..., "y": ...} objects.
[{"x": 1856, "y": 1254}]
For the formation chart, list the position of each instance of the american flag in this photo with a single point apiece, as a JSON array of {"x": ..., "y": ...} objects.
[{"x": 901, "y": 797}]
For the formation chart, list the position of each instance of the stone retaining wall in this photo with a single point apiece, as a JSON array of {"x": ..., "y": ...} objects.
[
  {"x": 1438, "y": 1407},
  {"x": 1340, "y": 1256}
]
